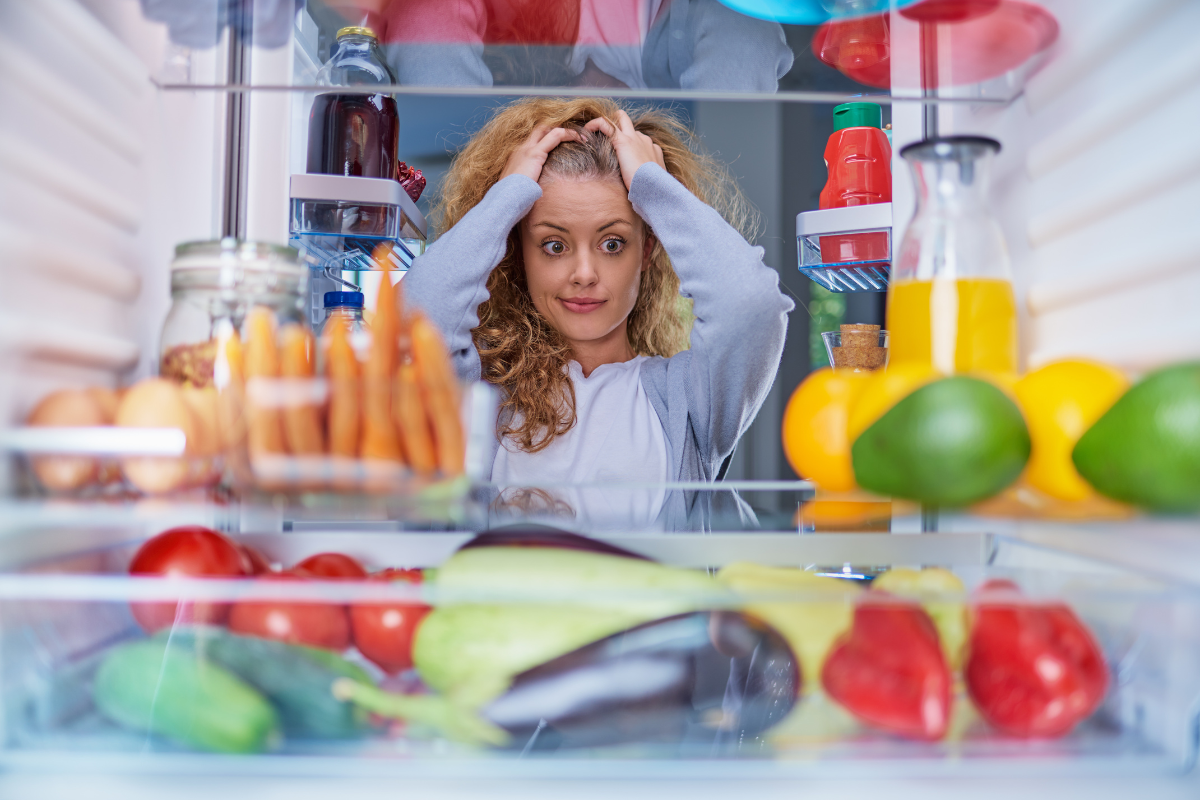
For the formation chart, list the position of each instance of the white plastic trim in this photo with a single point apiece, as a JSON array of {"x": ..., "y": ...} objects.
[
  {"x": 44, "y": 169},
  {"x": 99, "y": 440},
  {"x": 65, "y": 100},
  {"x": 78, "y": 28},
  {"x": 1122, "y": 191},
  {"x": 1092, "y": 47},
  {"x": 41, "y": 339},
  {"x": 1111, "y": 114},
  {"x": 1156, "y": 263},
  {"x": 838, "y": 220},
  {"x": 84, "y": 268}
]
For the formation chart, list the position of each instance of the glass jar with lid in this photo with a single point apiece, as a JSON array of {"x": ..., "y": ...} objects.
[{"x": 213, "y": 286}]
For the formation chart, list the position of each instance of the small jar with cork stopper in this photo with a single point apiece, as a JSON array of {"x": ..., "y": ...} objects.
[{"x": 857, "y": 348}]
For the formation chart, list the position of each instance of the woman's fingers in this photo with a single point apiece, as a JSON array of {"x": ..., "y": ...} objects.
[
  {"x": 633, "y": 147},
  {"x": 554, "y": 138},
  {"x": 625, "y": 123},
  {"x": 530, "y": 157},
  {"x": 602, "y": 125}
]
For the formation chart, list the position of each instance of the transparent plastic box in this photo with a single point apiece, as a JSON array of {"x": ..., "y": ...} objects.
[
  {"x": 846, "y": 249},
  {"x": 338, "y": 221},
  {"x": 66, "y": 599}
]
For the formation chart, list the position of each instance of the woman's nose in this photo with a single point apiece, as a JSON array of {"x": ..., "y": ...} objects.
[{"x": 584, "y": 273}]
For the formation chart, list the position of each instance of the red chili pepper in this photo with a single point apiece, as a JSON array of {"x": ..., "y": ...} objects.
[
  {"x": 1034, "y": 669},
  {"x": 889, "y": 670}
]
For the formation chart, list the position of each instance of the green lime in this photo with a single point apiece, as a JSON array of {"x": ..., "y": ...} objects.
[
  {"x": 1146, "y": 449},
  {"x": 952, "y": 442}
]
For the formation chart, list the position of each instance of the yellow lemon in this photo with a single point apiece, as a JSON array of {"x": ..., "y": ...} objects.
[
  {"x": 882, "y": 390},
  {"x": 1061, "y": 401},
  {"x": 814, "y": 428}
]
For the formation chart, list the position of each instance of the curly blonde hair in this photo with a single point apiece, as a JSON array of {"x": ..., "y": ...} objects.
[{"x": 520, "y": 351}]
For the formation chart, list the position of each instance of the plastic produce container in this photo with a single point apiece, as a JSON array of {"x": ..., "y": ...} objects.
[{"x": 67, "y": 607}]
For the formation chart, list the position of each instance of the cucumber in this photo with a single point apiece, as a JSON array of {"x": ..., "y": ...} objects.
[
  {"x": 158, "y": 687},
  {"x": 296, "y": 679}
]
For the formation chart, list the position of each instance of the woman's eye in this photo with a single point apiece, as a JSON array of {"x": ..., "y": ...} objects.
[
  {"x": 612, "y": 245},
  {"x": 554, "y": 248}
]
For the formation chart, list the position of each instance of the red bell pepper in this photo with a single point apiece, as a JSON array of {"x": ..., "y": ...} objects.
[
  {"x": 1034, "y": 669},
  {"x": 889, "y": 671}
]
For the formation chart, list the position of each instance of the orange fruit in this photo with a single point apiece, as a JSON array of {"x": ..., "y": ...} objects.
[
  {"x": 814, "y": 428},
  {"x": 844, "y": 515},
  {"x": 1060, "y": 402}
]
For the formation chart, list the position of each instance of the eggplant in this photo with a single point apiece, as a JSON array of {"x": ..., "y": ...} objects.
[
  {"x": 533, "y": 535},
  {"x": 721, "y": 677},
  {"x": 716, "y": 679}
]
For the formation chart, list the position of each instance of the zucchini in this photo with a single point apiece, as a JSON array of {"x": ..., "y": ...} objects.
[
  {"x": 296, "y": 679},
  {"x": 158, "y": 687}
]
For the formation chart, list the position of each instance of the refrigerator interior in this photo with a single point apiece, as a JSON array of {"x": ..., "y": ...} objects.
[{"x": 117, "y": 143}]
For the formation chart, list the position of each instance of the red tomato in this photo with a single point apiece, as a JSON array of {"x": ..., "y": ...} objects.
[
  {"x": 329, "y": 565},
  {"x": 384, "y": 633},
  {"x": 1034, "y": 669},
  {"x": 191, "y": 550},
  {"x": 258, "y": 562},
  {"x": 889, "y": 670},
  {"x": 314, "y": 624}
]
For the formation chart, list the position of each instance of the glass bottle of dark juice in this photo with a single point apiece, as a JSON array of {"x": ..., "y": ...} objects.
[{"x": 351, "y": 133}]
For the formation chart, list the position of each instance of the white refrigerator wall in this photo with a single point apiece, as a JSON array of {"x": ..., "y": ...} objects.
[
  {"x": 1098, "y": 184},
  {"x": 101, "y": 175}
]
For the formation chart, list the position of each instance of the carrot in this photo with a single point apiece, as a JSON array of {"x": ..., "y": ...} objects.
[
  {"x": 344, "y": 398},
  {"x": 235, "y": 358},
  {"x": 230, "y": 379},
  {"x": 408, "y": 409},
  {"x": 379, "y": 437},
  {"x": 262, "y": 361},
  {"x": 301, "y": 419},
  {"x": 440, "y": 392}
]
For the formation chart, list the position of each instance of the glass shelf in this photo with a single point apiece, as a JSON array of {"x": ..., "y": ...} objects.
[{"x": 845, "y": 50}]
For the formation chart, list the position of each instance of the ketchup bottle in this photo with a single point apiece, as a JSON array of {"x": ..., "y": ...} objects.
[{"x": 859, "y": 160}]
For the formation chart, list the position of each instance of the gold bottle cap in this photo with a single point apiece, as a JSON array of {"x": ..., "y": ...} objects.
[{"x": 355, "y": 30}]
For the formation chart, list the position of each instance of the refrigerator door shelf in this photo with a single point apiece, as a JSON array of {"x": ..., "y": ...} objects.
[
  {"x": 846, "y": 249},
  {"x": 338, "y": 221}
]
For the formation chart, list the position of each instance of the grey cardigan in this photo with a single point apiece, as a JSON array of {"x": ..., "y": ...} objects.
[{"x": 705, "y": 396}]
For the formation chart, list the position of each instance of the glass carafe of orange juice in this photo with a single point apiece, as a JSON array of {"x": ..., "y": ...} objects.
[{"x": 951, "y": 302}]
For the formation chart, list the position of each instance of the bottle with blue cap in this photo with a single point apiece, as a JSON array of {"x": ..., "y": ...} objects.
[{"x": 348, "y": 306}]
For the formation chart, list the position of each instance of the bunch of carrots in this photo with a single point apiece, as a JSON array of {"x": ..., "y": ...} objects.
[{"x": 398, "y": 408}]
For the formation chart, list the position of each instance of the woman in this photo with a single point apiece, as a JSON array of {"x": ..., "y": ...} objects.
[
  {"x": 570, "y": 230},
  {"x": 658, "y": 44}
]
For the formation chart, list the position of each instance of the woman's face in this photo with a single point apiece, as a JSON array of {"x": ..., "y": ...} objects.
[{"x": 585, "y": 248}]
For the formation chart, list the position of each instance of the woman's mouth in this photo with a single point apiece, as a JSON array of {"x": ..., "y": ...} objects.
[{"x": 581, "y": 305}]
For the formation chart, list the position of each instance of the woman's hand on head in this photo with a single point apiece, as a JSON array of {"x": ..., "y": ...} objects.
[
  {"x": 530, "y": 157},
  {"x": 633, "y": 148}
]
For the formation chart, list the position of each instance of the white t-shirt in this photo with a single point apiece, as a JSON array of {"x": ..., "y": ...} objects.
[
  {"x": 611, "y": 34},
  {"x": 617, "y": 438}
]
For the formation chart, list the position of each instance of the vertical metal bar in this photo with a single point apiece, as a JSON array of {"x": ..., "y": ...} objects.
[
  {"x": 237, "y": 125},
  {"x": 929, "y": 518},
  {"x": 928, "y": 49}
]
